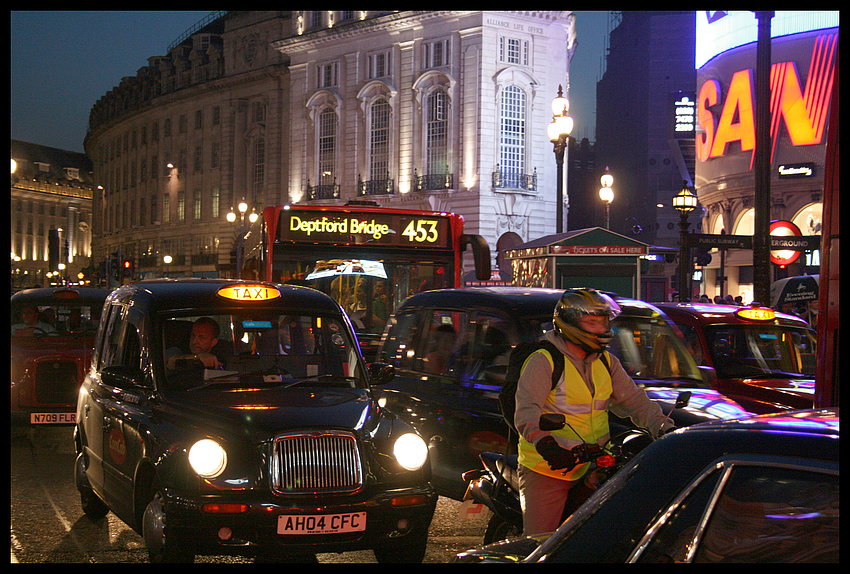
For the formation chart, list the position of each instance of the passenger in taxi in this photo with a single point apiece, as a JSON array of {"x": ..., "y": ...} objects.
[{"x": 203, "y": 338}]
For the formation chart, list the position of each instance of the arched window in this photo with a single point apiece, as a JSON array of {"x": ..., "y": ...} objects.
[
  {"x": 437, "y": 133},
  {"x": 327, "y": 132}
]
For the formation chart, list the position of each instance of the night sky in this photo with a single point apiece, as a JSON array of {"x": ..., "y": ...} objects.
[{"x": 63, "y": 62}]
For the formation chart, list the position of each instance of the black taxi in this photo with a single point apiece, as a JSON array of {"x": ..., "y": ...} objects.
[
  {"x": 229, "y": 417},
  {"x": 52, "y": 334},
  {"x": 764, "y": 360},
  {"x": 450, "y": 350}
]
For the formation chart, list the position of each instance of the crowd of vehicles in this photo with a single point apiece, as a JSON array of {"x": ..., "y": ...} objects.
[{"x": 330, "y": 419}]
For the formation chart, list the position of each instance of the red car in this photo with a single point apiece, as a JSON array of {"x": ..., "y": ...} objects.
[
  {"x": 764, "y": 360},
  {"x": 53, "y": 332}
]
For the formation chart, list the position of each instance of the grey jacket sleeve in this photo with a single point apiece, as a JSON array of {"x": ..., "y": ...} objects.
[{"x": 630, "y": 401}]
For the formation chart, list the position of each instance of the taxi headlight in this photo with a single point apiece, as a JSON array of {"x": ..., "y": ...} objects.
[
  {"x": 410, "y": 451},
  {"x": 207, "y": 458}
]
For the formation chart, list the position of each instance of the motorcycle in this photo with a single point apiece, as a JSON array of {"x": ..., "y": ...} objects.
[{"x": 496, "y": 486}]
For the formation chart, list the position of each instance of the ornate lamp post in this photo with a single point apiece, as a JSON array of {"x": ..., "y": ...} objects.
[
  {"x": 606, "y": 194},
  {"x": 559, "y": 133},
  {"x": 685, "y": 202}
]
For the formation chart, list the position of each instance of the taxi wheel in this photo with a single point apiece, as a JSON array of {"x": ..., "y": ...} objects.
[
  {"x": 410, "y": 552},
  {"x": 93, "y": 506},
  {"x": 162, "y": 548}
]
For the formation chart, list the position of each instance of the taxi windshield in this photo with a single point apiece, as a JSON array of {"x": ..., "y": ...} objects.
[
  {"x": 648, "y": 348},
  {"x": 761, "y": 351},
  {"x": 55, "y": 320},
  {"x": 249, "y": 349}
]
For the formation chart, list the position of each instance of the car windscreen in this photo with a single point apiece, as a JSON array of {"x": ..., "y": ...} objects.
[
  {"x": 648, "y": 348},
  {"x": 754, "y": 350},
  {"x": 55, "y": 319},
  {"x": 233, "y": 350}
]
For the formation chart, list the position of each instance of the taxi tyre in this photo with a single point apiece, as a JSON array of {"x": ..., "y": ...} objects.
[
  {"x": 162, "y": 548},
  {"x": 92, "y": 505}
]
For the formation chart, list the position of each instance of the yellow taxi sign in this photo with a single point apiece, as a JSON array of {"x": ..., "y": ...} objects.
[
  {"x": 756, "y": 314},
  {"x": 249, "y": 292}
]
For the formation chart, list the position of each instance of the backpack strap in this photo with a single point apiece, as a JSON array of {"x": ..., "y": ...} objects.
[
  {"x": 557, "y": 360},
  {"x": 604, "y": 358}
]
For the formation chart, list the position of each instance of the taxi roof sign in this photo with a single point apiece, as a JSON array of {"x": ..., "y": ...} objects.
[
  {"x": 249, "y": 292},
  {"x": 756, "y": 314}
]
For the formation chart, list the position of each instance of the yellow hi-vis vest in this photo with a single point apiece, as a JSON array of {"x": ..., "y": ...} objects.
[{"x": 586, "y": 414}]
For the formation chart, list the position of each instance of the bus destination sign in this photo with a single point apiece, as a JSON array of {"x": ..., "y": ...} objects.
[{"x": 364, "y": 228}]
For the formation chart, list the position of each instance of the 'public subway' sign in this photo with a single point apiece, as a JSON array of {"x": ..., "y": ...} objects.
[
  {"x": 801, "y": 108},
  {"x": 366, "y": 227}
]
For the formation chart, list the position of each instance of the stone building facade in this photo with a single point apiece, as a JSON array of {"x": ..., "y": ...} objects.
[{"x": 443, "y": 110}]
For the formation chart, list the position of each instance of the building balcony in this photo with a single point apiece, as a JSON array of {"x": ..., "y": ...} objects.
[{"x": 507, "y": 180}]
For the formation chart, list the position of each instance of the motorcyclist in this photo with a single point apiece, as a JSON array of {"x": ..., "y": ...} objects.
[{"x": 587, "y": 389}]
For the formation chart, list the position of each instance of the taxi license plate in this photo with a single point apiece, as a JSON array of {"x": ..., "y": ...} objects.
[
  {"x": 321, "y": 523},
  {"x": 53, "y": 418}
]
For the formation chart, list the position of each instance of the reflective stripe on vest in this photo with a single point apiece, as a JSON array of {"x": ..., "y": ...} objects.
[{"x": 586, "y": 414}]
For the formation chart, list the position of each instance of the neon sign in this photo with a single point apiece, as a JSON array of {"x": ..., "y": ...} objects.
[{"x": 803, "y": 110}]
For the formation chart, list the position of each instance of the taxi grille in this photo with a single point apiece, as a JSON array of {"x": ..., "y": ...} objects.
[
  {"x": 56, "y": 382},
  {"x": 316, "y": 462}
]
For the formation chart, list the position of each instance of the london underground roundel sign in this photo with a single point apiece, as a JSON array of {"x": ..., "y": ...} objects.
[{"x": 784, "y": 256}]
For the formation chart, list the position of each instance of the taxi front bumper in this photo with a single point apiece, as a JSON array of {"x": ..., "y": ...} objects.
[{"x": 249, "y": 524}]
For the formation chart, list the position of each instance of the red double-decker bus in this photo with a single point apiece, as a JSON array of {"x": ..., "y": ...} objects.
[{"x": 369, "y": 258}]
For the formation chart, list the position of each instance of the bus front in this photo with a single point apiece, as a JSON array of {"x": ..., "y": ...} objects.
[{"x": 367, "y": 258}]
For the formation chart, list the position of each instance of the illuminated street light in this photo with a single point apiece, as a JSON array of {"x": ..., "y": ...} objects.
[
  {"x": 606, "y": 194},
  {"x": 559, "y": 133}
]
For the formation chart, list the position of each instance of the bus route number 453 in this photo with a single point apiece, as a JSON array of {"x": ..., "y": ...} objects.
[{"x": 422, "y": 230}]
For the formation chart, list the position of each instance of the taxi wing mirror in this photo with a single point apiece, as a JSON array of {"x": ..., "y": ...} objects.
[
  {"x": 123, "y": 377},
  {"x": 381, "y": 373}
]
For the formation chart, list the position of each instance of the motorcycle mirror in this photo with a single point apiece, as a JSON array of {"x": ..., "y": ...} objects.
[
  {"x": 683, "y": 399},
  {"x": 552, "y": 421}
]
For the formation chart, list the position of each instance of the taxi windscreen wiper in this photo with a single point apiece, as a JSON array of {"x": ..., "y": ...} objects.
[{"x": 325, "y": 380}]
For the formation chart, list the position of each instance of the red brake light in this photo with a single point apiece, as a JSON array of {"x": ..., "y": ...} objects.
[{"x": 605, "y": 461}]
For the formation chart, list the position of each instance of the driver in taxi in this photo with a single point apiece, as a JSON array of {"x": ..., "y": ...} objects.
[{"x": 202, "y": 339}]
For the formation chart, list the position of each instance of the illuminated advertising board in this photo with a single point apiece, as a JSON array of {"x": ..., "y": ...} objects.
[
  {"x": 366, "y": 228},
  {"x": 801, "y": 83}
]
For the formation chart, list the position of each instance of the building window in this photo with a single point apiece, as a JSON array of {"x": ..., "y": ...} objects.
[
  {"x": 378, "y": 65},
  {"x": 513, "y": 51},
  {"x": 258, "y": 112},
  {"x": 199, "y": 119},
  {"x": 328, "y": 74},
  {"x": 259, "y": 161},
  {"x": 216, "y": 199},
  {"x": 327, "y": 146},
  {"x": 216, "y": 115},
  {"x": 196, "y": 204},
  {"x": 379, "y": 140},
  {"x": 198, "y": 163},
  {"x": 436, "y": 53},
  {"x": 181, "y": 206},
  {"x": 215, "y": 154},
  {"x": 436, "y": 133},
  {"x": 512, "y": 134},
  {"x": 316, "y": 18}
]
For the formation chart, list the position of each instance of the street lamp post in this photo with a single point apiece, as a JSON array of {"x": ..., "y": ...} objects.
[
  {"x": 559, "y": 134},
  {"x": 606, "y": 194},
  {"x": 685, "y": 202},
  {"x": 241, "y": 233}
]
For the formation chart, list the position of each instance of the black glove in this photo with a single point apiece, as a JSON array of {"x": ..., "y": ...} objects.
[{"x": 554, "y": 454}]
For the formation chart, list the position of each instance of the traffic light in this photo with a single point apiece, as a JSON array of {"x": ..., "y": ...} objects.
[
  {"x": 127, "y": 268},
  {"x": 702, "y": 256}
]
